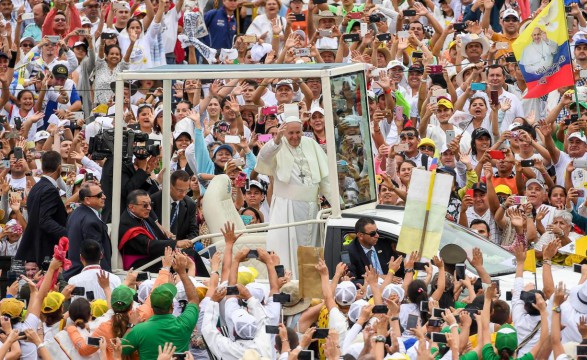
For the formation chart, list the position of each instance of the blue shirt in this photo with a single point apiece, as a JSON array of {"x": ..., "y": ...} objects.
[{"x": 221, "y": 30}]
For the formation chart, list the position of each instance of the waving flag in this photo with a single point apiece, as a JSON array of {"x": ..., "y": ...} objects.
[{"x": 543, "y": 52}]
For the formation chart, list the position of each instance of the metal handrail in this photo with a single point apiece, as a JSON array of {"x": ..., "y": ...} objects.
[{"x": 243, "y": 231}]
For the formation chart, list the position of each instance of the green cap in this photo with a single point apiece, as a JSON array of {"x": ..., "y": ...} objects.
[
  {"x": 162, "y": 296},
  {"x": 122, "y": 298},
  {"x": 506, "y": 338},
  {"x": 582, "y": 103}
]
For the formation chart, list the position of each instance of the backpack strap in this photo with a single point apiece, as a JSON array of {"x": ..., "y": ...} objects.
[{"x": 527, "y": 339}]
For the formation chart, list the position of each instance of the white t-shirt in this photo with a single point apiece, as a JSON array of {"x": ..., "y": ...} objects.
[
  {"x": 170, "y": 24},
  {"x": 28, "y": 349}
]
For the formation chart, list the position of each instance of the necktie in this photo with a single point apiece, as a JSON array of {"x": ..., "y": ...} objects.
[
  {"x": 374, "y": 262},
  {"x": 174, "y": 212}
]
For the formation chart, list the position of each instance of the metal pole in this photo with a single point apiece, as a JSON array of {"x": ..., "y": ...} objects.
[
  {"x": 165, "y": 211},
  {"x": 330, "y": 142},
  {"x": 117, "y": 170}
]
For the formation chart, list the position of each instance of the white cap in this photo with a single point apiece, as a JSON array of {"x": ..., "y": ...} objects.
[
  {"x": 145, "y": 290},
  {"x": 301, "y": 34},
  {"x": 578, "y": 135},
  {"x": 391, "y": 289},
  {"x": 41, "y": 135},
  {"x": 510, "y": 12},
  {"x": 80, "y": 43},
  {"x": 245, "y": 324},
  {"x": 534, "y": 181},
  {"x": 345, "y": 293},
  {"x": 291, "y": 119},
  {"x": 317, "y": 109},
  {"x": 394, "y": 63},
  {"x": 259, "y": 50},
  {"x": 355, "y": 309},
  {"x": 287, "y": 82},
  {"x": 85, "y": 21},
  {"x": 258, "y": 290},
  {"x": 514, "y": 125}
]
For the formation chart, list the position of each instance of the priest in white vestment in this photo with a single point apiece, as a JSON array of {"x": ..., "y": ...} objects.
[{"x": 299, "y": 168}]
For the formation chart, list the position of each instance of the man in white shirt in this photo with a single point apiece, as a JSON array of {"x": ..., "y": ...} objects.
[
  {"x": 90, "y": 255},
  {"x": 170, "y": 24},
  {"x": 496, "y": 81}
]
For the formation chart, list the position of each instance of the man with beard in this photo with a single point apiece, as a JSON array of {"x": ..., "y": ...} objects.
[{"x": 56, "y": 23}]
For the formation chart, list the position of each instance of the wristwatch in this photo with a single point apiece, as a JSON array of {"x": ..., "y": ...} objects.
[
  {"x": 557, "y": 309},
  {"x": 379, "y": 339}
]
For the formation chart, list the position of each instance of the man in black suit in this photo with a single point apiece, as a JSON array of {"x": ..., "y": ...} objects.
[
  {"x": 182, "y": 221},
  {"x": 85, "y": 223},
  {"x": 367, "y": 249},
  {"x": 46, "y": 213},
  {"x": 140, "y": 238}
]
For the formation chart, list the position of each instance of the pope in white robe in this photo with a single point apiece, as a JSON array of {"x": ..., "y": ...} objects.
[{"x": 299, "y": 168}]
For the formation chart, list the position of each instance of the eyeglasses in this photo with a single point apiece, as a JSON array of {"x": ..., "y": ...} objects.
[
  {"x": 26, "y": 45},
  {"x": 427, "y": 147},
  {"x": 98, "y": 195},
  {"x": 183, "y": 191},
  {"x": 372, "y": 233},
  {"x": 59, "y": 20},
  {"x": 407, "y": 135},
  {"x": 144, "y": 205}
]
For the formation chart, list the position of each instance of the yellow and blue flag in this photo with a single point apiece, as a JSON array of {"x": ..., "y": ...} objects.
[{"x": 543, "y": 52}]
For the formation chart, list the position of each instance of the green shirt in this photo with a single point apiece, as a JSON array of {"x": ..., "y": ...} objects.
[
  {"x": 489, "y": 354},
  {"x": 159, "y": 329},
  {"x": 334, "y": 9}
]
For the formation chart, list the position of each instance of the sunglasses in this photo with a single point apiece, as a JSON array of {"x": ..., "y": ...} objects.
[
  {"x": 372, "y": 233},
  {"x": 59, "y": 20},
  {"x": 427, "y": 147},
  {"x": 510, "y": 19},
  {"x": 26, "y": 45},
  {"x": 98, "y": 195},
  {"x": 407, "y": 135},
  {"x": 144, "y": 206}
]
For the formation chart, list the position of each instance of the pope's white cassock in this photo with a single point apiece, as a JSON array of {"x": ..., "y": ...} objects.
[{"x": 300, "y": 174}]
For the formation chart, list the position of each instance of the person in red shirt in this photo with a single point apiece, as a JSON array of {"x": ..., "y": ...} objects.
[{"x": 56, "y": 23}]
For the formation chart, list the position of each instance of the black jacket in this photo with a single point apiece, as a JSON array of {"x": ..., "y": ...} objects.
[
  {"x": 83, "y": 224},
  {"x": 46, "y": 222},
  {"x": 359, "y": 259},
  {"x": 184, "y": 226}
]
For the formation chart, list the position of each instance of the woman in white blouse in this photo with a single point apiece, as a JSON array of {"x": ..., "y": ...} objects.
[{"x": 262, "y": 26}]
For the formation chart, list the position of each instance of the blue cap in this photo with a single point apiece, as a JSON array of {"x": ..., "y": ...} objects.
[
  {"x": 225, "y": 147},
  {"x": 581, "y": 42}
]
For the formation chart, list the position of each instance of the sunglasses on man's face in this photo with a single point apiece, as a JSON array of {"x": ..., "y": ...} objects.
[
  {"x": 409, "y": 136},
  {"x": 372, "y": 233}
]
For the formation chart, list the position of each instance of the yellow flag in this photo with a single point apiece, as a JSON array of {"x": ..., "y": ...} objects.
[
  {"x": 530, "y": 263},
  {"x": 581, "y": 246}
]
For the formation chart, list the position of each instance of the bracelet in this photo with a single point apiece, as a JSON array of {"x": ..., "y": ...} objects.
[
  {"x": 388, "y": 91},
  {"x": 41, "y": 345},
  {"x": 166, "y": 268},
  {"x": 408, "y": 270},
  {"x": 215, "y": 272},
  {"x": 391, "y": 271},
  {"x": 286, "y": 340},
  {"x": 395, "y": 318},
  {"x": 275, "y": 36},
  {"x": 454, "y": 325},
  {"x": 547, "y": 261}
]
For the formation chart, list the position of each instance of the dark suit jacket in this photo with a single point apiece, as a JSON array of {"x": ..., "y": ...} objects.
[
  {"x": 359, "y": 259},
  {"x": 185, "y": 226},
  {"x": 83, "y": 224},
  {"x": 46, "y": 224}
]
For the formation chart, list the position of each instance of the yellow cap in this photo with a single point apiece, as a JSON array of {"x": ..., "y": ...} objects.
[
  {"x": 427, "y": 141},
  {"x": 11, "y": 307},
  {"x": 503, "y": 189},
  {"x": 246, "y": 275},
  {"x": 99, "y": 307},
  {"x": 52, "y": 302},
  {"x": 446, "y": 103}
]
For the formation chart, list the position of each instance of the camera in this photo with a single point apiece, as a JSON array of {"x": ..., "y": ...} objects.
[{"x": 134, "y": 142}]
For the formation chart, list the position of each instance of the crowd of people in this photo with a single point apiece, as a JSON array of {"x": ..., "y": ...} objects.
[{"x": 441, "y": 91}]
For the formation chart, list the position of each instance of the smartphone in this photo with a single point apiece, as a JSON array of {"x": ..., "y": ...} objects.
[
  {"x": 281, "y": 298},
  {"x": 179, "y": 356},
  {"x": 269, "y": 110},
  {"x": 280, "y": 270},
  {"x": 325, "y": 33},
  {"x": 439, "y": 92},
  {"x": 304, "y": 52},
  {"x": 79, "y": 291},
  {"x": 107, "y": 36},
  {"x": 420, "y": 265},
  {"x": 90, "y": 296},
  {"x": 437, "y": 312},
  {"x": 300, "y": 17},
  {"x": 27, "y": 16},
  {"x": 435, "y": 69},
  {"x": 18, "y": 123},
  {"x": 384, "y": 37},
  {"x": 232, "y": 290},
  {"x": 497, "y": 154},
  {"x": 494, "y": 96},
  {"x": 417, "y": 55},
  {"x": 321, "y": 333},
  {"x": 374, "y": 18},
  {"x": 527, "y": 163},
  {"x": 460, "y": 271},
  {"x": 232, "y": 139},
  {"x": 3, "y": 119},
  {"x": 508, "y": 296},
  {"x": 379, "y": 309},
  {"x": 412, "y": 322},
  {"x": 54, "y": 39},
  {"x": 459, "y": 26},
  {"x": 577, "y": 268},
  {"x": 581, "y": 351},
  {"x": 143, "y": 276},
  {"x": 510, "y": 59},
  {"x": 577, "y": 163},
  {"x": 355, "y": 15},
  {"x": 317, "y": 2},
  {"x": 364, "y": 28},
  {"x": 211, "y": 251},
  {"x": 82, "y": 32},
  {"x": 528, "y": 297},
  {"x": 307, "y": 354},
  {"x": 378, "y": 179},
  {"x": 345, "y": 257},
  {"x": 424, "y": 306},
  {"x": 450, "y": 136},
  {"x": 272, "y": 329},
  {"x": 135, "y": 127},
  {"x": 568, "y": 9},
  {"x": 434, "y": 100},
  {"x": 240, "y": 161},
  {"x": 478, "y": 86},
  {"x": 496, "y": 283},
  {"x": 520, "y": 200},
  {"x": 502, "y": 45},
  {"x": 403, "y": 34},
  {"x": 18, "y": 154},
  {"x": 264, "y": 137},
  {"x": 439, "y": 337},
  {"x": 249, "y": 39},
  {"x": 409, "y": 12},
  {"x": 401, "y": 147},
  {"x": 399, "y": 112},
  {"x": 580, "y": 192},
  {"x": 253, "y": 254},
  {"x": 435, "y": 322},
  {"x": 349, "y": 38}
]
